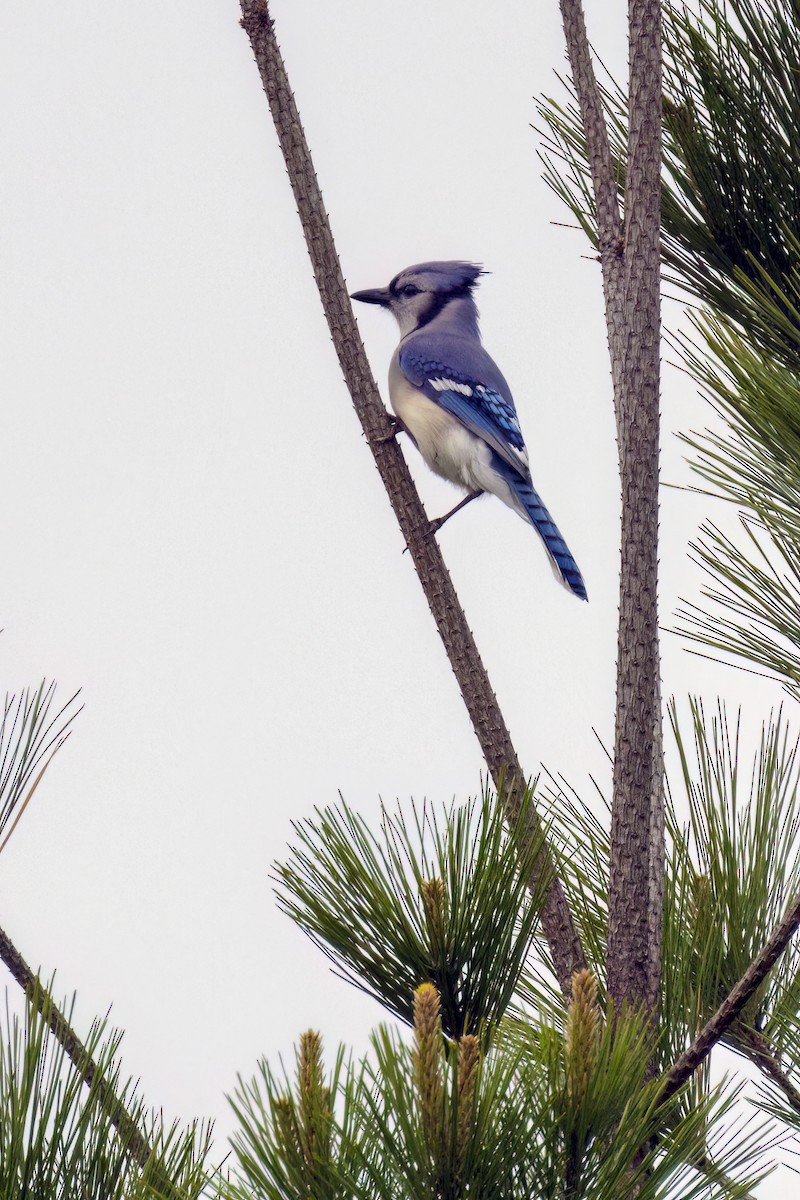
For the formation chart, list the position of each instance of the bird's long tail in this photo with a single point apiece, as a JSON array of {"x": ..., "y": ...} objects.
[{"x": 529, "y": 504}]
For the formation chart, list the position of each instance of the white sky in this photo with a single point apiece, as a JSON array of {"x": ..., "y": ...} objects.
[{"x": 195, "y": 532}]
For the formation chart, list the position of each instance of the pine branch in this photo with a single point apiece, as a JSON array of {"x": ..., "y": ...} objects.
[
  {"x": 601, "y": 166},
  {"x": 135, "y": 1144},
  {"x": 717, "y": 1025},
  {"x": 759, "y": 1051},
  {"x": 636, "y": 883},
  {"x": 476, "y": 690},
  {"x": 630, "y": 260}
]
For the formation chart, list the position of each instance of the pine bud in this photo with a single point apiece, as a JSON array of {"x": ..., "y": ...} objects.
[
  {"x": 582, "y": 1034},
  {"x": 428, "y": 1065},
  {"x": 469, "y": 1058},
  {"x": 314, "y": 1100},
  {"x": 433, "y": 899}
]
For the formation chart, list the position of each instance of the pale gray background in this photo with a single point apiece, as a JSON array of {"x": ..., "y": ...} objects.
[{"x": 194, "y": 530}]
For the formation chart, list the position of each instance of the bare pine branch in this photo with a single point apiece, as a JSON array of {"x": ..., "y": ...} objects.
[
  {"x": 636, "y": 884},
  {"x": 606, "y": 198},
  {"x": 630, "y": 260},
  {"x": 476, "y": 690}
]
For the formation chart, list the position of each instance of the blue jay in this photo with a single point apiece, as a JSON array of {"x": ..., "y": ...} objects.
[{"x": 454, "y": 404}]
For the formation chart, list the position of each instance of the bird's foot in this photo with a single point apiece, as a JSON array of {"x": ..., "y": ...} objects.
[
  {"x": 395, "y": 426},
  {"x": 438, "y": 522},
  {"x": 424, "y": 532}
]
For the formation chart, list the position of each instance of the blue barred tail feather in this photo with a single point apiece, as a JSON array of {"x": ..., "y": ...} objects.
[{"x": 564, "y": 565}]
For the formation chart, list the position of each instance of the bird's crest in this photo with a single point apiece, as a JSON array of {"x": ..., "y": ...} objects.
[{"x": 445, "y": 278}]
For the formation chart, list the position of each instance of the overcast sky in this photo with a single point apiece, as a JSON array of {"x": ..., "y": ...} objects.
[{"x": 195, "y": 533}]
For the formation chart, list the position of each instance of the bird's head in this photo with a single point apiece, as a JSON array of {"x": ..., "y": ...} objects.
[{"x": 418, "y": 294}]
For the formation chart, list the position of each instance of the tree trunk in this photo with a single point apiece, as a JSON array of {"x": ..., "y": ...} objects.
[
  {"x": 636, "y": 884},
  {"x": 630, "y": 258}
]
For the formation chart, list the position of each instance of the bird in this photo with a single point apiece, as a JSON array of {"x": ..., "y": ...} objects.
[{"x": 451, "y": 399}]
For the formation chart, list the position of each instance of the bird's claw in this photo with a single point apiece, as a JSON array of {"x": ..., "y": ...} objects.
[
  {"x": 428, "y": 531},
  {"x": 395, "y": 426},
  {"x": 433, "y": 527}
]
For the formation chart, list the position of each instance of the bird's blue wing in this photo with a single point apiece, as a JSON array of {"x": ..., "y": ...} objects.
[
  {"x": 457, "y": 374},
  {"x": 464, "y": 381}
]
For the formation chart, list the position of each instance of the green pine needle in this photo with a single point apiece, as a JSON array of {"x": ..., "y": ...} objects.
[
  {"x": 58, "y": 1140},
  {"x": 366, "y": 899}
]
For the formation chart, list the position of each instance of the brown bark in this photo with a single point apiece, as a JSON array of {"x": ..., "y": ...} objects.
[
  {"x": 630, "y": 261},
  {"x": 609, "y": 220},
  {"x": 473, "y": 681},
  {"x": 637, "y": 822}
]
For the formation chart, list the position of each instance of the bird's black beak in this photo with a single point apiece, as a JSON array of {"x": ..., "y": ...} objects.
[{"x": 380, "y": 296}]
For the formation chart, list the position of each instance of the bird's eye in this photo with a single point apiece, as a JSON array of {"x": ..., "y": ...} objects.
[{"x": 410, "y": 289}]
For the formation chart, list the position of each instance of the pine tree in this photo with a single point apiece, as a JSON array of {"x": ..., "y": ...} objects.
[{"x": 563, "y": 977}]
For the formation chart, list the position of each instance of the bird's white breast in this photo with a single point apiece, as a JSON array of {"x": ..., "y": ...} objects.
[{"x": 448, "y": 447}]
